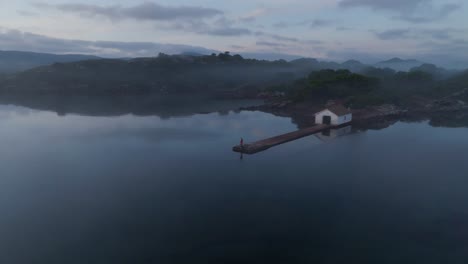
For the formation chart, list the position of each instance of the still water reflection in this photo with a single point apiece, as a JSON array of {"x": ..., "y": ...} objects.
[{"x": 128, "y": 189}]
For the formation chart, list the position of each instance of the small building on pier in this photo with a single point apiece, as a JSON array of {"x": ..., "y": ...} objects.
[{"x": 335, "y": 115}]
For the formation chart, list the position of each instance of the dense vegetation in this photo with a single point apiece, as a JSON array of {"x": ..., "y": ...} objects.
[
  {"x": 373, "y": 86},
  {"x": 164, "y": 75},
  {"x": 234, "y": 76},
  {"x": 14, "y": 61},
  {"x": 326, "y": 84}
]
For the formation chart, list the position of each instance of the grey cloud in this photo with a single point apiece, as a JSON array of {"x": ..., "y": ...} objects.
[
  {"x": 313, "y": 42},
  {"x": 396, "y": 5},
  {"x": 393, "y": 34},
  {"x": 415, "y": 11},
  {"x": 24, "y": 41},
  {"x": 312, "y": 23},
  {"x": 27, "y": 13},
  {"x": 281, "y": 24},
  {"x": 441, "y": 34},
  {"x": 343, "y": 28},
  {"x": 215, "y": 28},
  {"x": 282, "y": 38},
  {"x": 436, "y": 34},
  {"x": 221, "y": 27},
  {"x": 207, "y": 21},
  {"x": 431, "y": 15},
  {"x": 460, "y": 42},
  {"x": 238, "y": 47},
  {"x": 276, "y": 37},
  {"x": 227, "y": 31},
  {"x": 289, "y": 40},
  {"x": 317, "y": 23},
  {"x": 17, "y": 40},
  {"x": 447, "y": 9},
  {"x": 145, "y": 11},
  {"x": 270, "y": 44}
]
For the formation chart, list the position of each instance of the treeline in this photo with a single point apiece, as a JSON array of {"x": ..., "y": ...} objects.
[
  {"x": 234, "y": 76},
  {"x": 373, "y": 87},
  {"x": 164, "y": 74}
]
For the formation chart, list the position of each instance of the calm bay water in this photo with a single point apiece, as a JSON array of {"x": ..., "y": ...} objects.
[{"x": 127, "y": 189}]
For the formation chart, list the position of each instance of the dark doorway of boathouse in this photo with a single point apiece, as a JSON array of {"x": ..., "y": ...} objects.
[{"x": 326, "y": 120}]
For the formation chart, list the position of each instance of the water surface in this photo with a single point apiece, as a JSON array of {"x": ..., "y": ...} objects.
[{"x": 133, "y": 189}]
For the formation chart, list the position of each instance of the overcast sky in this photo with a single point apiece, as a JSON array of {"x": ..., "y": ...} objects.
[{"x": 369, "y": 30}]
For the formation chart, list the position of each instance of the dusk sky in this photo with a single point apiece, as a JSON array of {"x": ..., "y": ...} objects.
[{"x": 368, "y": 30}]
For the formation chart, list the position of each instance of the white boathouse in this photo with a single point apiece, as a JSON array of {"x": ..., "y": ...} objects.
[{"x": 335, "y": 115}]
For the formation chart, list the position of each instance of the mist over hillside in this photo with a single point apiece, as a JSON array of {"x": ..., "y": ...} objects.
[
  {"x": 227, "y": 76},
  {"x": 399, "y": 64},
  {"x": 220, "y": 73},
  {"x": 163, "y": 74},
  {"x": 14, "y": 61}
]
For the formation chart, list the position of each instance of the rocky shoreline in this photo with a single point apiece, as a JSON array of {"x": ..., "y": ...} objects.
[{"x": 449, "y": 111}]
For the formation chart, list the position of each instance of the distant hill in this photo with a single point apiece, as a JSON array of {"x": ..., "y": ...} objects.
[
  {"x": 165, "y": 74},
  {"x": 269, "y": 56},
  {"x": 224, "y": 75},
  {"x": 14, "y": 61},
  {"x": 315, "y": 64},
  {"x": 354, "y": 65},
  {"x": 398, "y": 64},
  {"x": 434, "y": 70},
  {"x": 192, "y": 53}
]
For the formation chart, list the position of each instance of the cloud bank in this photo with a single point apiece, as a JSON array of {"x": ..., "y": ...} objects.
[
  {"x": 193, "y": 19},
  {"x": 145, "y": 11},
  {"x": 25, "y": 41},
  {"x": 414, "y": 11}
]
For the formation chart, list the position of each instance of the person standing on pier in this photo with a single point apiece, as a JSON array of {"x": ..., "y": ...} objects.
[{"x": 242, "y": 148}]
